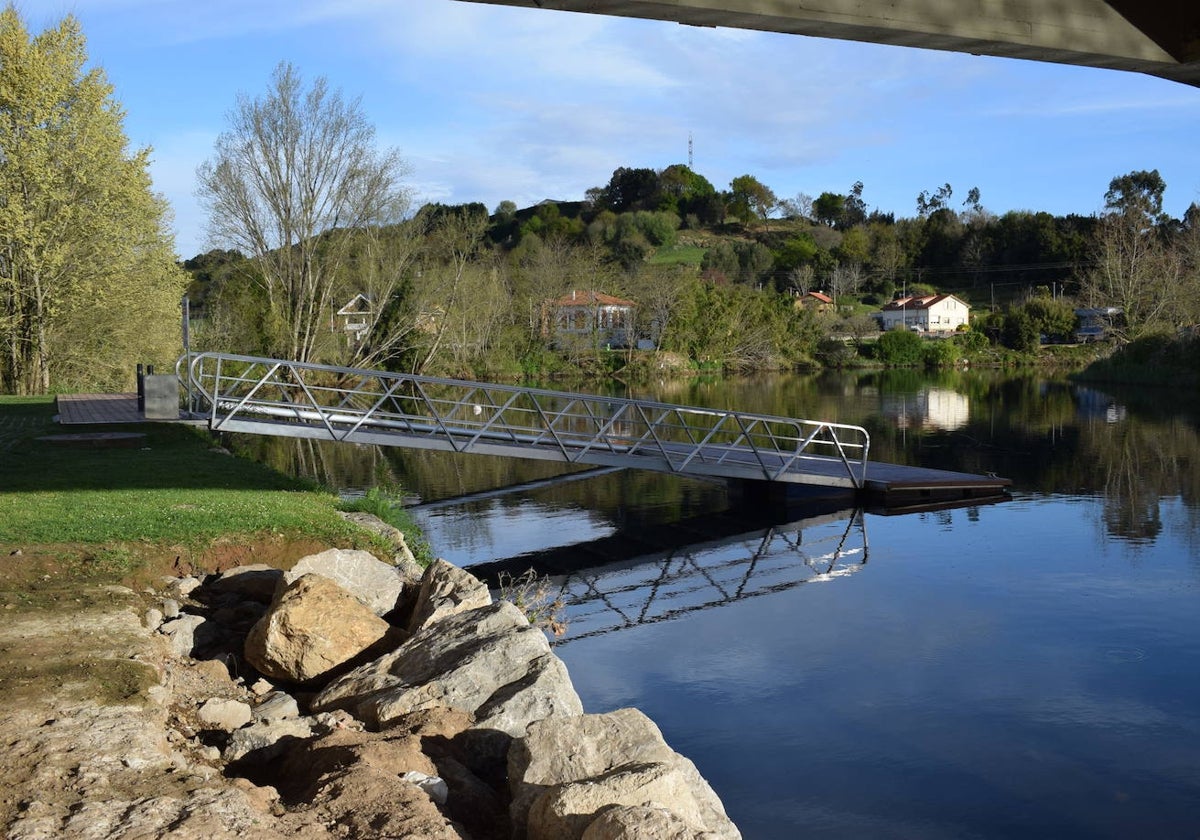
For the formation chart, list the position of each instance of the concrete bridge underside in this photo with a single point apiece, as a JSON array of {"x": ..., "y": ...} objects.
[{"x": 1157, "y": 37}]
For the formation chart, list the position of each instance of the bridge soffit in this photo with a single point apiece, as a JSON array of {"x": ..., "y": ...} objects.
[{"x": 1156, "y": 37}]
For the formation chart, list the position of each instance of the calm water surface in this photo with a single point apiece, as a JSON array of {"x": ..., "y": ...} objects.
[{"x": 1025, "y": 669}]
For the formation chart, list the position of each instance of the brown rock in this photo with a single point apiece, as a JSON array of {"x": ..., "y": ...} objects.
[{"x": 311, "y": 628}]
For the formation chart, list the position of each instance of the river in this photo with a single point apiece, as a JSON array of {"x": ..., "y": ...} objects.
[{"x": 1023, "y": 669}]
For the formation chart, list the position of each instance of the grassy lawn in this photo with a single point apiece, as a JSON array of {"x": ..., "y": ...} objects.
[
  {"x": 172, "y": 502},
  {"x": 678, "y": 255}
]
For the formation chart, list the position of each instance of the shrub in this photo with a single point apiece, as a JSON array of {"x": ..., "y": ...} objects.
[{"x": 900, "y": 348}]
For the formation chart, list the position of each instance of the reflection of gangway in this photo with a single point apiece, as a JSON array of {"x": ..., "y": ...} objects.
[
  {"x": 757, "y": 560},
  {"x": 273, "y": 397}
]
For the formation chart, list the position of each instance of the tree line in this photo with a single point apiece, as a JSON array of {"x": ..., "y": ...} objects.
[{"x": 309, "y": 214}]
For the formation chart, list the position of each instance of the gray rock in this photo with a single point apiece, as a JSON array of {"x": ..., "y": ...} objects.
[
  {"x": 565, "y": 812},
  {"x": 226, "y": 715},
  {"x": 152, "y": 619},
  {"x": 277, "y": 705},
  {"x": 189, "y": 634},
  {"x": 432, "y": 785},
  {"x": 259, "y": 743},
  {"x": 170, "y": 608},
  {"x": 375, "y": 583},
  {"x": 181, "y": 587},
  {"x": 604, "y": 746},
  {"x": 446, "y": 590},
  {"x": 640, "y": 822},
  {"x": 488, "y": 660},
  {"x": 402, "y": 557}
]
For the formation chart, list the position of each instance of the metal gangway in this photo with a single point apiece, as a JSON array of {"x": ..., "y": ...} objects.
[{"x": 250, "y": 394}]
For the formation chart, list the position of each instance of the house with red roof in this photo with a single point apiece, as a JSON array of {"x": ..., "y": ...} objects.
[
  {"x": 927, "y": 313},
  {"x": 815, "y": 301}
]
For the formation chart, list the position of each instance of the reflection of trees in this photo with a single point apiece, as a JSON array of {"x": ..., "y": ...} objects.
[
  {"x": 1047, "y": 436},
  {"x": 338, "y": 466},
  {"x": 1140, "y": 463}
]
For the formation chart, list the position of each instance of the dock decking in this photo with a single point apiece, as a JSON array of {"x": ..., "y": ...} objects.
[{"x": 98, "y": 409}]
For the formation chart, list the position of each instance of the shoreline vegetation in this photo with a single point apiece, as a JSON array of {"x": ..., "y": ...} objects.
[{"x": 177, "y": 502}]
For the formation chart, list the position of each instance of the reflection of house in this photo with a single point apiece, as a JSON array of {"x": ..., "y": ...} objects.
[
  {"x": 930, "y": 313},
  {"x": 932, "y": 408},
  {"x": 355, "y": 318},
  {"x": 815, "y": 302},
  {"x": 601, "y": 318},
  {"x": 1095, "y": 324}
]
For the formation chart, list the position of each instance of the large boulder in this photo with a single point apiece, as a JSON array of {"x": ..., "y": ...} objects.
[
  {"x": 446, "y": 590},
  {"x": 375, "y": 583},
  {"x": 640, "y": 822},
  {"x": 615, "y": 759},
  {"x": 566, "y": 811},
  {"x": 488, "y": 661},
  {"x": 313, "y": 627}
]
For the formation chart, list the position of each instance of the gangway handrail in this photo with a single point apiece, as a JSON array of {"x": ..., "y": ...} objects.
[{"x": 236, "y": 392}]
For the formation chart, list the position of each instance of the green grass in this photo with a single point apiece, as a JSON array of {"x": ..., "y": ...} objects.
[
  {"x": 174, "y": 488},
  {"x": 678, "y": 255}
]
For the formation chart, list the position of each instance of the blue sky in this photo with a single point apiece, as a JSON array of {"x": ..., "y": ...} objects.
[{"x": 488, "y": 103}]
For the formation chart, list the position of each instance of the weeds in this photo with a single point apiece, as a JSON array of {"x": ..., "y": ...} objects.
[
  {"x": 385, "y": 503},
  {"x": 531, "y": 595}
]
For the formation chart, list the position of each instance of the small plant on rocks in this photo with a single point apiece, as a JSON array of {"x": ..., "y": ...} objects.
[{"x": 531, "y": 594}]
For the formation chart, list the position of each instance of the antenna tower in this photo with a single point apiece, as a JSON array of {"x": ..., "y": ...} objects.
[{"x": 689, "y": 150}]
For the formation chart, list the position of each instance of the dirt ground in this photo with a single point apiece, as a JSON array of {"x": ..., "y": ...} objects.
[{"x": 94, "y": 713}]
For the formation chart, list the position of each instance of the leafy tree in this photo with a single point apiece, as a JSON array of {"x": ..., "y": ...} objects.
[
  {"x": 1020, "y": 331},
  {"x": 855, "y": 247},
  {"x": 1137, "y": 195},
  {"x": 630, "y": 189},
  {"x": 88, "y": 281},
  {"x": 1052, "y": 317},
  {"x": 684, "y": 191},
  {"x": 929, "y": 203},
  {"x": 841, "y": 212},
  {"x": 827, "y": 209},
  {"x": 1134, "y": 268},
  {"x": 296, "y": 173},
  {"x": 750, "y": 198}
]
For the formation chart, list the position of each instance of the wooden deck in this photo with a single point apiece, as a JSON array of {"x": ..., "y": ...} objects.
[{"x": 98, "y": 409}]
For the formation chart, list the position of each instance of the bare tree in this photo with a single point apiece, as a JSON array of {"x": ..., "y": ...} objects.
[{"x": 293, "y": 178}]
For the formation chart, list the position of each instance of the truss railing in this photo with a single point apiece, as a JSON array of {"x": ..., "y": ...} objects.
[
  {"x": 663, "y": 587},
  {"x": 269, "y": 396}
]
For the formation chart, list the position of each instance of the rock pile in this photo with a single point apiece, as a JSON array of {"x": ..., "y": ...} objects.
[{"x": 360, "y": 698}]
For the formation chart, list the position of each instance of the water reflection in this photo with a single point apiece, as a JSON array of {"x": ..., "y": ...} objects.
[
  {"x": 1131, "y": 448},
  {"x": 611, "y": 583}
]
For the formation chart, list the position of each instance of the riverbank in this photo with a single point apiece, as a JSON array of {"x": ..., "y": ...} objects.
[
  {"x": 345, "y": 698},
  {"x": 132, "y": 707}
]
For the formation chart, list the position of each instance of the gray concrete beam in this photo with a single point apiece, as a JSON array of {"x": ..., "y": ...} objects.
[{"x": 1157, "y": 37}]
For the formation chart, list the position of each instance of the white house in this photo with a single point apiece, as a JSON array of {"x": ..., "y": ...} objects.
[
  {"x": 355, "y": 318},
  {"x": 931, "y": 313}
]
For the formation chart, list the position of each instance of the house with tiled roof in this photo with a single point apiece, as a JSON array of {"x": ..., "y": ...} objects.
[
  {"x": 815, "y": 301},
  {"x": 925, "y": 313},
  {"x": 602, "y": 319}
]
